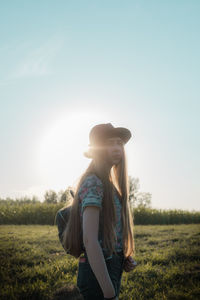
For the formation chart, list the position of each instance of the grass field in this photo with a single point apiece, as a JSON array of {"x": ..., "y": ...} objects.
[{"x": 34, "y": 264}]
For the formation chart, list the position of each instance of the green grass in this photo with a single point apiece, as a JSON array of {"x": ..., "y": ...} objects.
[{"x": 34, "y": 264}]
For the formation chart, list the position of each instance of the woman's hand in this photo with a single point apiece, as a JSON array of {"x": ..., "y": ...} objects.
[{"x": 129, "y": 264}]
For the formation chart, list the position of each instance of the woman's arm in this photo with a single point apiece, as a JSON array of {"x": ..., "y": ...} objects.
[{"x": 94, "y": 251}]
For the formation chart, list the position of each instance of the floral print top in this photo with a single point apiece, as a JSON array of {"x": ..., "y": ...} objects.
[{"x": 91, "y": 194}]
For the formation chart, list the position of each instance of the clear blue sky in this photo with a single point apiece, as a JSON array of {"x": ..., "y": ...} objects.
[{"x": 68, "y": 65}]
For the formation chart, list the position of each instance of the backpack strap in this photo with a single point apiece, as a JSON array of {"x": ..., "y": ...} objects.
[{"x": 62, "y": 216}]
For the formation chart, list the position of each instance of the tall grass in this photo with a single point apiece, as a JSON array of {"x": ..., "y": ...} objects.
[
  {"x": 44, "y": 214},
  {"x": 145, "y": 216}
]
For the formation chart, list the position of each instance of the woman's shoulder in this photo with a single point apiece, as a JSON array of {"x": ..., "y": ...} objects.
[
  {"x": 91, "y": 185},
  {"x": 91, "y": 180}
]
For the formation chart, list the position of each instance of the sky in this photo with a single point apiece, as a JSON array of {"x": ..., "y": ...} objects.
[{"x": 69, "y": 65}]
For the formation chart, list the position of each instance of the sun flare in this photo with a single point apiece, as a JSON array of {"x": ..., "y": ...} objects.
[{"x": 60, "y": 159}]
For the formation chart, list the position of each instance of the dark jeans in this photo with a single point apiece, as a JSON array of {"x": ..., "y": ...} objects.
[{"x": 88, "y": 284}]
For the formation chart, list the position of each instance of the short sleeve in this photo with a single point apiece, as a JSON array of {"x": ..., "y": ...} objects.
[{"x": 91, "y": 192}]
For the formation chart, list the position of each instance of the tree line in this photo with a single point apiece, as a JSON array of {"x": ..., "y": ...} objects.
[
  {"x": 136, "y": 197},
  {"x": 32, "y": 211}
]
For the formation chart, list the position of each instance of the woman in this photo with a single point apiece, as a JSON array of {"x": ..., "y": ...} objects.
[{"x": 100, "y": 223}]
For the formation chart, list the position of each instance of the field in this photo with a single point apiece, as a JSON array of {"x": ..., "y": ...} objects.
[{"x": 34, "y": 264}]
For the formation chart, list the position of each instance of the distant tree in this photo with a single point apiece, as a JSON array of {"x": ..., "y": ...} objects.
[
  {"x": 133, "y": 190},
  {"x": 61, "y": 196},
  {"x": 23, "y": 200},
  {"x": 66, "y": 197},
  {"x": 35, "y": 199},
  {"x": 144, "y": 200},
  {"x": 136, "y": 198},
  {"x": 50, "y": 197}
]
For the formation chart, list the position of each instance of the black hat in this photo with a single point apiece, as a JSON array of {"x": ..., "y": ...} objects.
[{"x": 102, "y": 131}]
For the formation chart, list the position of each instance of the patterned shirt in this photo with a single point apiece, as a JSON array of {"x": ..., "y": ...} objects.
[{"x": 91, "y": 194}]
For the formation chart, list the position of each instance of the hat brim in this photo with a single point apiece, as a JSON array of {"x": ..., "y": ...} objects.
[{"x": 121, "y": 132}]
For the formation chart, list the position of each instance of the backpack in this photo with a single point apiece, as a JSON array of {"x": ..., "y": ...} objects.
[{"x": 61, "y": 220}]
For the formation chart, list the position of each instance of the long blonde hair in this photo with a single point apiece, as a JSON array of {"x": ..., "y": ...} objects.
[{"x": 117, "y": 176}]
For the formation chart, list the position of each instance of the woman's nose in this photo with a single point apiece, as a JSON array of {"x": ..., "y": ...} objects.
[{"x": 116, "y": 149}]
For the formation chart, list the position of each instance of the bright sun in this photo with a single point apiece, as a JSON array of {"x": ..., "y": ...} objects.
[{"x": 60, "y": 159}]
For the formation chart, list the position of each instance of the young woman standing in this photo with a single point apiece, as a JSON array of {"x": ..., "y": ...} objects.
[{"x": 100, "y": 224}]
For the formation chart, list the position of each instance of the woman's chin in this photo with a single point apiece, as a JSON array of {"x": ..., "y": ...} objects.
[{"x": 116, "y": 161}]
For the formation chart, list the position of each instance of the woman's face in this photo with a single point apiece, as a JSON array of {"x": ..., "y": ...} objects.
[{"x": 114, "y": 148}]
